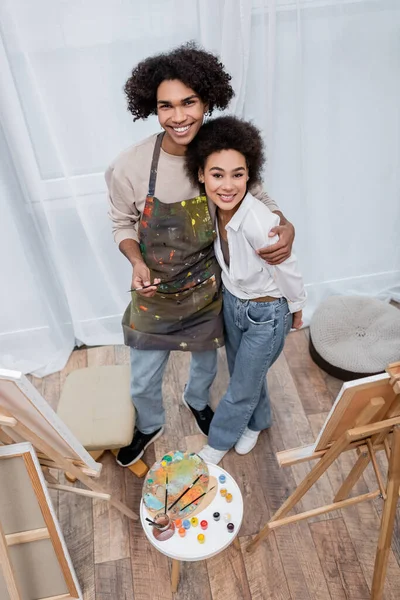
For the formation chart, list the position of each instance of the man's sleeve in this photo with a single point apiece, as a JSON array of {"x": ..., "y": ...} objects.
[
  {"x": 257, "y": 191},
  {"x": 122, "y": 208}
]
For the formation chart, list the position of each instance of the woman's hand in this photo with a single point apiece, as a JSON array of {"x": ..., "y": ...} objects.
[
  {"x": 141, "y": 280},
  {"x": 297, "y": 320}
]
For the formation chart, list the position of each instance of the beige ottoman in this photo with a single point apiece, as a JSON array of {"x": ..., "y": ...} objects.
[
  {"x": 96, "y": 405},
  {"x": 354, "y": 336}
]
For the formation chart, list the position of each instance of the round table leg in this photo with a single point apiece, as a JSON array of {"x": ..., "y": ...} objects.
[{"x": 175, "y": 575}]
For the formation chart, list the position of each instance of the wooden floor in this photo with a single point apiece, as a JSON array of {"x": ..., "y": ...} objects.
[{"x": 331, "y": 557}]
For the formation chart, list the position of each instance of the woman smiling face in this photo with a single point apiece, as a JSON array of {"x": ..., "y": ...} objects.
[
  {"x": 180, "y": 112},
  {"x": 225, "y": 179}
]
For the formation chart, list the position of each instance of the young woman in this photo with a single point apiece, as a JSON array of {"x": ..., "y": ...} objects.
[
  {"x": 163, "y": 226},
  {"x": 261, "y": 302}
]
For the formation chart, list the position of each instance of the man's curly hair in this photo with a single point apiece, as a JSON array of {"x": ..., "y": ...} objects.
[
  {"x": 226, "y": 133},
  {"x": 198, "y": 69}
]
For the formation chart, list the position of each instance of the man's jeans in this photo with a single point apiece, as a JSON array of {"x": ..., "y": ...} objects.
[
  {"x": 254, "y": 336},
  {"x": 147, "y": 370}
]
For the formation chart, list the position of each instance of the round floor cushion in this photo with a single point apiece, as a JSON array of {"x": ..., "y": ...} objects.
[{"x": 355, "y": 336}]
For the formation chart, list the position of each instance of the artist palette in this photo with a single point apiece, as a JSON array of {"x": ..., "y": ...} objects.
[{"x": 176, "y": 473}]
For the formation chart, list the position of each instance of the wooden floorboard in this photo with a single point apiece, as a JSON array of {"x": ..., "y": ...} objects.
[
  {"x": 265, "y": 572},
  {"x": 114, "y": 580},
  {"x": 312, "y": 389},
  {"x": 306, "y": 558},
  {"x": 75, "y": 514},
  {"x": 328, "y": 558},
  {"x": 194, "y": 582},
  {"x": 227, "y": 575},
  {"x": 245, "y": 472},
  {"x": 111, "y": 531},
  {"x": 339, "y": 560},
  {"x": 295, "y": 430},
  {"x": 51, "y": 389}
]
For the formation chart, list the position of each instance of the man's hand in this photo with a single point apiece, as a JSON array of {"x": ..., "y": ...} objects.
[
  {"x": 279, "y": 252},
  {"x": 141, "y": 279},
  {"x": 297, "y": 320}
]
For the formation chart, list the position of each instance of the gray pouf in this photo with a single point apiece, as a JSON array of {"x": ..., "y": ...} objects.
[{"x": 355, "y": 336}]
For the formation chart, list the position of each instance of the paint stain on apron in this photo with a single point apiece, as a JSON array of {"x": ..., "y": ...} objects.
[{"x": 176, "y": 241}]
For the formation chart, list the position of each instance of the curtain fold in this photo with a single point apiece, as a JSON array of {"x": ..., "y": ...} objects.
[
  {"x": 36, "y": 332},
  {"x": 319, "y": 77}
]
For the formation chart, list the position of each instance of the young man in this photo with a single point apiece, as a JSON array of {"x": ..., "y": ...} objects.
[{"x": 164, "y": 227}]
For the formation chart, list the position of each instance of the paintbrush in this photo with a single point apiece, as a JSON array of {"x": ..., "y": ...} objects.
[
  {"x": 166, "y": 492},
  {"x": 144, "y": 287},
  {"x": 157, "y": 525},
  {"x": 183, "y": 493},
  {"x": 198, "y": 498}
]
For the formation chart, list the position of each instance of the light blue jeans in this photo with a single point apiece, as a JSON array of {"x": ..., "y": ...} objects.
[
  {"x": 147, "y": 370},
  {"x": 254, "y": 337}
]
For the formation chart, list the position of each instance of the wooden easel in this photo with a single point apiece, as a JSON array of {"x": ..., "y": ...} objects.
[
  {"x": 51, "y": 459},
  {"x": 49, "y": 532},
  {"x": 26, "y": 417},
  {"x": 139, "y": 468},
  {"x": 367, "y": 437},
  {"x": 8, "y": 571}
]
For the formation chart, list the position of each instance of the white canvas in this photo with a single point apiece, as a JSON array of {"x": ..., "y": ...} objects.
[{"x": 376, "y": 385}]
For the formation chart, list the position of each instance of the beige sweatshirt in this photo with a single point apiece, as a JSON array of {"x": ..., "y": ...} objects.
[{"x": 128, "y": 181}]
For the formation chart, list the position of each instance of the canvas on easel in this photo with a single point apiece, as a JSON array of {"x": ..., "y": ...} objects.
[
  {"x": 26, "y": 416},
  {"x": 34, "y": 560},
  {"x": 350, "y": 404},
  {"x": 365, "y": 417}
]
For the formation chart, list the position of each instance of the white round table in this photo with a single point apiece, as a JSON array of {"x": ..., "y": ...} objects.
[{"x": 217, "y": 536}]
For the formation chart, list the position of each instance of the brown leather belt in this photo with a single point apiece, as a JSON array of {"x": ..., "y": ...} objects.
[{"x": 264, "y": 299}]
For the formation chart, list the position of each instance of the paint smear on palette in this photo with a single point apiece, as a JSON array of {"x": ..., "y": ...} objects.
[{"x": 183, "y": 470}]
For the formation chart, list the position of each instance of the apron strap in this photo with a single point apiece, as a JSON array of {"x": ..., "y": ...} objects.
[{"x": 154, "y": 164}]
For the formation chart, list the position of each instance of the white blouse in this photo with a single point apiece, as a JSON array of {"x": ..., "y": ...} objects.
[{"x": 248, "y": 275}]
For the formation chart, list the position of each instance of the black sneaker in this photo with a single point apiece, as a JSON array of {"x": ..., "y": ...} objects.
[
  {"x": 203, "y": 417},
  {"x": 130, "y": 454}
]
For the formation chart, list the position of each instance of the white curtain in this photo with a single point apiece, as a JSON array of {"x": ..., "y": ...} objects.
[{"x": 319, "y": 77}]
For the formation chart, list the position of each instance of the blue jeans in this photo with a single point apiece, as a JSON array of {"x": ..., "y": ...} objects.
[
  {"x": 254, "y": 337},
  {"x": 147, "y": 370}
]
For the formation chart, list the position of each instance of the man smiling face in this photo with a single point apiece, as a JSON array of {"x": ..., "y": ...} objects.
[{"x": 180, "y": 112}]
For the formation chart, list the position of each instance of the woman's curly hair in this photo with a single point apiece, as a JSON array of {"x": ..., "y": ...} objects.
[
  {"x": 226, "y": 133},
  {"x": 198, "y": 69}
]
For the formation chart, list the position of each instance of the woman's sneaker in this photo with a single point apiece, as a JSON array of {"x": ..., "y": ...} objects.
[
  {"x": 247, "y": 441},
  {"x": 128, "y": 455},
  {"x": 211, "y": 455}
]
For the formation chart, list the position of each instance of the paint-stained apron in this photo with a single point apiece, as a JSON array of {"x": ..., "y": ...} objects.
[{"x": 176, "y": 241}]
